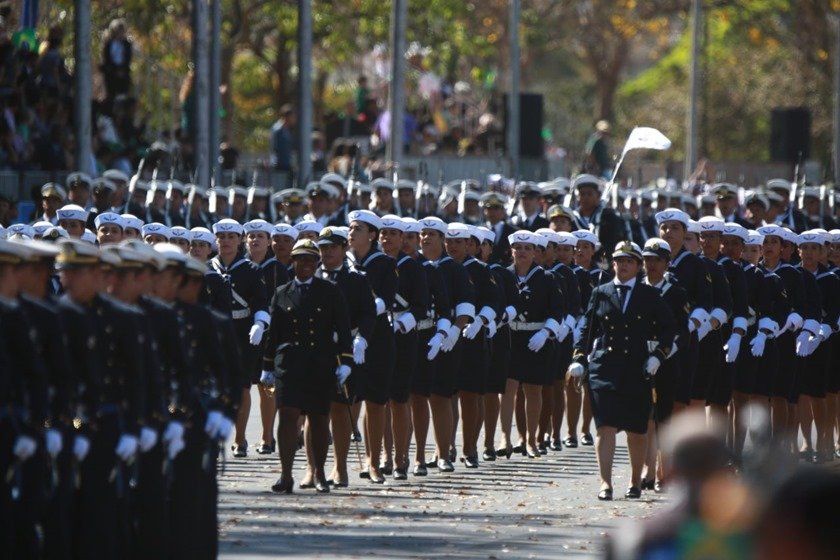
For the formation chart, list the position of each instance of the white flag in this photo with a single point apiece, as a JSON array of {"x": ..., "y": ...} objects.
[{"x": 646, "y": 137}]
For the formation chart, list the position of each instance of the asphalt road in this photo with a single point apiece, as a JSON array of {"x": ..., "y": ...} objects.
[{"x": 516, "y": 508}]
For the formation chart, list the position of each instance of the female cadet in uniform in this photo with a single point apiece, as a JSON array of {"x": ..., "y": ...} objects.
[
  {"x": 308, "y": 347},
  {"x": 538, "y": 320},
  {"x": 410, "y": 305},
  {"x": 238, "y": 283},
  {"x": 626, "y": 319},
  {"x": 283, "y": 238},
  {"x": 258, "y": 248},
  {"x": 381, "y": 272}
]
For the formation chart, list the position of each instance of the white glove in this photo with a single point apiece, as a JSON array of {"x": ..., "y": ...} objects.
[
  {"x": 705, "y": 328},
  {"x": 813, "y": 343},
  {"x": 380, "y": 306},
  {"x": 175, "y": 446},
  {"x": 757, "y": 344},
  {"x": 652, "y": 365},
  {"x": 825, "y": 332},
  {"x": 575, "y": 370},
  {"x": 537, "y": 341},
  {"x": 576, "y": 334},
  {"x": 405, "y": 323},
  {"x": 803, "y": 343},
  {"x": 510, "y": 314},
  {"x": 256, "y": 334},
  {"x": 214, "y": 421},
  {"x": 563, "y": 332},
  {"x": 472, "y": 330},
  {"x": 342, "y": 372},
  {"x": 451, "y": 338},
  {"x": 359, "y": 347},
  {"x": 732, "y": 347},
  {"x": 225, "y": 428},
  {"x": 267, "y": 378},
  {"x": 126, "y": 447},
  {"x": 794, "y": 322},
  {"x": 81, "y": 446},
  {"x": 24, "y": 447},
  {"x": 491, "y": 329},
  {"x": 173, "y": 430},
  {"x": 53, "y": 442},
  {"x": 435, "y": 344},
  {"x": 148, "y": 439}
]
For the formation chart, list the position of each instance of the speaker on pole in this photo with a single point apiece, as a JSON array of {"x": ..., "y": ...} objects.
[
  {"x": 530, "y": 124},
  {"x": 790, "y": 134}
]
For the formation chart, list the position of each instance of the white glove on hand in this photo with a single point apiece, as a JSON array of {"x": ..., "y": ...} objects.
[
  {"x": 692, "y": 326},
  {"x": 757, "y": 344},
  {"x": 267, "y": 378},
  {"x": 537, "y": 341},
  {"x": 575, "y": 370},
  {"x": 175, "y": 446},
  {"x": 342, "y": 373},
  {"x": 214, "y": 421},
  {"x": 256, "y": 334},
  {"x": 652, "y": 365},
  {"x": 510, "y": 314},
  {"x": 435, "y": 344},
  {"x": 803, "y": 343},
  {"x": 126, "y": 447},
  {"x": 174, "y": 430},
  {"x": 359, "y": 347},
  {"x": 225, "y": 429},
  {"x": 576, "y": 334},
  {"x": 148, "y": 439},
  {"x": 451, "y": 338},
  {"x": 24, "y": 447},
  {"x": 472, "y": 330},
  {"x": 563, "y": 332},
  {"x": 53, "y": 442},
  {"x": 732, "y": 347},
  {"x": 705, "y": 328},
  {"x": 380, "y": 306},
  {"x": 491, "y": 329},
  {"x": 813, "y": 343},
  {"x": 405, "y": 323},
  {"x": 81, "y": 446}
]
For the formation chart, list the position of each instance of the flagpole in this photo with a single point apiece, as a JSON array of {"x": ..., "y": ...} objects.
[{"x": 611, "y": 184}]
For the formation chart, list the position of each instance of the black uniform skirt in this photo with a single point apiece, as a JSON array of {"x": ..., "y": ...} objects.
[
  {"x": 784, "y": 378},
  {"x": 446, "y": 371},
  {"x": 688, "y": 367},
  {"x": 665, "y": 382},
  {"x": 497, "y": 373},
  {"x": 562, "y": 359},
  {"x": 472, "y": 375},
  {"x": 405, "y": 366},
  {"x": 627, "y": 410},
  {"x": 310, "y": 389},
  {"x": 766, "y": 370},
  {"x": 710, "y": 367},
  {"x": 834, "y": 366},
  {"x": 746, "y": 366},
  {"x": 374, "y": 384},
  {"x": 424, "y": 373},
  {"x": 812, "y": 378},
  {"x": 530, "y": 367},
  {"x": 249, "y": 355}
]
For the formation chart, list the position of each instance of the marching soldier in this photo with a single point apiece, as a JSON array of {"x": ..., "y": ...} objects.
[
  {"x": 785, "y": 214},
  {"x": 529, "y": 216},
  {"x": 495, "y": 218},
  {"x": 593, "y": 215},
  {"x": 283, "y": 238}
]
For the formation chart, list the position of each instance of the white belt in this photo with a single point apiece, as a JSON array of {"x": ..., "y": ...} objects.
[
  {"x": 240, "y": 314},
  {"x": 425, "y": 324},
  {"x": 523, "y": 326}
]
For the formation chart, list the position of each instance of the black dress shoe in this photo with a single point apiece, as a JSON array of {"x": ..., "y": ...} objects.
[
  {"x": 283, "y": 486},
  {"x": 556, "y": 445},
  {"x": 433, "y": 463},
  {"x": 533, "y": 452},
  {"x": 420, "y": 469},
  {"x": 356, "y": 435},
  {"x": 506, "y": 452},
  {"x": 586, "y": 439},
  {"x": 647, "y": 484},
  {"x": 386, "y": 468},
  {"x": 376, "y": 478},
  {"x": 365, "y": 475},
  {"x": 543, "y": 448},
  {"x": 267, "y": 448},
  {"x": 633, "y": 493},
  {"x": 570, "y": 442},
  {"x": 400, "y": 473},
  {"x": 659, "y": 487},
  {"x": 338, "y": 483},
  {"x": 520, "y": 449},
  {"x": 470, "y": 462},
  {"x": 606, "y": 494},
  {"x": 322, "y": 487},
  {"x": 489, "y": 454},
  {"x": 306, "y": 484},
  {"x": 240, "y": 450}
]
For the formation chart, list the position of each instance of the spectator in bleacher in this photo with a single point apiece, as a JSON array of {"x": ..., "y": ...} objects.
[{"x": 116, "y": 60}]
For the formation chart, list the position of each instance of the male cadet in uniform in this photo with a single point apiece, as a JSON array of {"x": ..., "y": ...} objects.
[
  {"x": 73, "y": 219},
  {"x": 691, "y": 274},
  {"x": 787, "y": 215},
  {"x": 529, "y": 217},
  {"x": 332, "y": 243},
  {"x": 238, "y": 201},
  {"x": 593, "y": 214},
  {"x": 23, "y": 393},
  {"x": 757, "y": 204},
  {"x": 495, "y": 218},
  {"x": 173, "y": 211},
  {"x": 292, "y": 200},
  {"x": 406, "y": 198},
  {"x": 103, "y": 190},
  {"x": 78, "y": 189},
  {"x": 236, "y": 284},
  {"x": 320, "y": 195},
  {"x": 258, "y": 203},
  {"x": 52, "y": 197},
  {"x": 120, "y": 195},
  {"x": 814, "y": 207},
  {"x": 726, "y": 202},
  {"x": 338, "y": 215}
]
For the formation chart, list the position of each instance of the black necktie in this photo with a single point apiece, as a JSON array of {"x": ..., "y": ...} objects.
[
  {"x": 333, "y": 274},
  {"x": 303, "y": 288},
  {"x": 622, "y": 294}
]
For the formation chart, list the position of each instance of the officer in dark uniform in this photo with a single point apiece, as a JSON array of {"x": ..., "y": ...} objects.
[
  {"x": 592, "y": 214},
  {"x": 632, "y": 334},
  {"x": 788, "y": 215},
  {"x": 308, "y": 349},
  {"x": 495, "y": 218},
  {"x": 529, "y": 217},
  {"x": 239, "y": 284}
]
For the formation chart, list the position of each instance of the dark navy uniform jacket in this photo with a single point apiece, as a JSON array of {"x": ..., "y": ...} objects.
[
  {"x": 440, "y": 306},
  {"x": 538, "y": 297},
  {"x": 273, "y": 271},
  {"x": 695, "y": 280},
  {"x": 412, "y": 289},
  {"x": 84, "y": 364},
  {"x": 23, "y": 387},
  {"x": 458, "y": 285},
  {"x": 357, "y": 294},
  {"x": 243, "y": 288}
]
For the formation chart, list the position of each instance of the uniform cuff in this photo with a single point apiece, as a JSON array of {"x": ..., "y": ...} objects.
[
  {"x": 510, "y": 311},
  {"x": 570, "y": 322},
  {"x": 408, "y": 321},
  {"x": 488, "y": 313},
  {"x": 796, "y": 319},
  {"x": 380, "y": 306},
  {"x": 719, "y": 314},
  {"x": 467, "y": 309},
  {"x": 769, "y": 324},
  {"x": 699, "y": 314},
  {"x": 811, "y": 325},
  {"x": 264, "y": 317},
  {"x": 553, "y": 326},
  {"x": 740, "y": 323},
  {"x": 443, "y": 324}
]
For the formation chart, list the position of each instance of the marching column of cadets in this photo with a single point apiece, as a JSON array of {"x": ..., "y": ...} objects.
[{"x": 134, "y": 354}]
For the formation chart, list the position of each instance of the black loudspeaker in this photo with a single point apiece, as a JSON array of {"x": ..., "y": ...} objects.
[
  {"x": 530, "y": 124},
  {"x": 790, "y": 134}
]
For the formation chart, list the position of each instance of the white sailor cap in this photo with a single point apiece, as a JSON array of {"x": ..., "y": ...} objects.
[
  {"x": 405, "y": 185},
  {"x": 689, "y": 200},
  {"x": 457, "y": 230},
  {"x": 834, "y": 235},
  {"x": 362, "y": 188},
  {"x": 756, "y": 197},
  {"x": 172, "y": 253},
  {"x": 549, "y": 188},
  {"x": 116, "y": 175},
  {"x": 89, "y": 237},
  {"x": 773, "y": 197},
  {"x": 810, "y": 192},
  {"x": 470, "y": 195},
  {"x": 550, "y": 234},
  {"x": 40, "y": 227},
  {"x": 567, "y": 239},
  {"x": 412, "y": 225},
  {"x": 693, "y": 227},
  {"x": 780, "y": 184},
  {"x": 754, "y": 238},
  {"x": 257, "y": 192},
  {"x": 334, "y": 180},
  {"x": 563, "y": 183},
  {"x": 21, "y": 229},
  {"x": 203, "y": 234},
  {"x": 585, "y": 179},
  {"x": 586, "y": 235},
  {"x": 391, "y": 221},
  {"x": 194, "y": 267},
  {"x": 381, "y": 183},
  {"x": 486, "y": 234},
  {"x": 365, "y": 216},
  {"x": 155, "y": 228},
  {"x": 140, "y": 185},
  {"x": 524, "y": 236},
  {"x": 435, "y": 223},
  {"x": 78, "y": 178},
  {"x": 109, "y": 218},
  {"x": 236, "y": 190},
  {"x": 258, "y": 225},
  {"x": 813, "y": 236},
  {"x": 228, "y": 225},
  {"x": 780, "y": 232},
  {"x": 72, "y": 212},
  {"x": 132, "y": 221},
  {"x": 285, "y": 229},
  {"x": 736, "y": 230},
  {"x": 672, "y": 214},
  {"x": 310, "y": 226},
  {"x": 711, "y": 223},
  {"x": 180, "y": 232}
]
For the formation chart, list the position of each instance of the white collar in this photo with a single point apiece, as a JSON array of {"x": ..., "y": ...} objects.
[
  {"x": 630, "y": 283},
  {"x": 657, "y": 285},
  {"x": 299, "y": 283}
]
